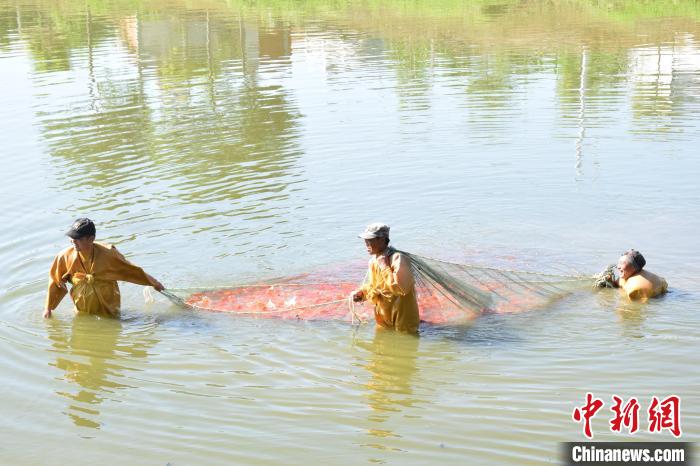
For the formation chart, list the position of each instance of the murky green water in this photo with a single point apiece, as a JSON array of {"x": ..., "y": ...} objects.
[{"x": 224, "y": 142}]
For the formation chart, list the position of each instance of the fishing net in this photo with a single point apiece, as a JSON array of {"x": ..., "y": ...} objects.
[
  {"x": 476, "y": 289},
  {"x": 300, "y": 300},
  {"x": 447, "y": 292},
  {"x": 607, "y": 278}
]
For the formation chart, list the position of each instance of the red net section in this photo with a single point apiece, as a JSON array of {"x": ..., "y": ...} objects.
[
  {"x": 320, "y": 301},
  {"x": 327, "y": 301}
]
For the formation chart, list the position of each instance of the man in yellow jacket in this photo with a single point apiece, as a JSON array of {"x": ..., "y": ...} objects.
[
  {"x": 93, "y": 270},
  {"x": 638, "y": 284},
  {"x": 390, "y": 284}
]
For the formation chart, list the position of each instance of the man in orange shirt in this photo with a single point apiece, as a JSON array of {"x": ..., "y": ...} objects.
[
  {"x": 390, "y": 284},
  {"x": 638, "y": 284},
  {"x": 92, "y": 269}
]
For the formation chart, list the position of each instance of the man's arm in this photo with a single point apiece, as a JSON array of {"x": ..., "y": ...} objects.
[
  {"x": 155, "y": 283},
  {"x": 57, "y": 287},
  {"x": 121, "y": 269},
  {"x": 397, "y": 277}
]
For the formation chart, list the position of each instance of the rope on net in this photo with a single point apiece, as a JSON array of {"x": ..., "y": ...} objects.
[{"x": 353, "y": 312}]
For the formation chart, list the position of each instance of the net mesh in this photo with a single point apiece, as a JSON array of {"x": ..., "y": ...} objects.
[
  {"x": 447, "y": 292},
  {"x": 476, "y": 289}
]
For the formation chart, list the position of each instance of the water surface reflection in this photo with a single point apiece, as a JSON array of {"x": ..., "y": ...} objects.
[
  {"x": 226, "y": 142},
  {"x": 176, "y": 112},
  {"x": 95, "y": 354},
  {"x": 393, "y": 366}
]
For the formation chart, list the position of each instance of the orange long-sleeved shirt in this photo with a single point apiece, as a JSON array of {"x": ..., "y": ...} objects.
[
  {"x": 392, "y": 291},
  {"x": 94, "y": 282},
  {"x": 644, "y": 285}
]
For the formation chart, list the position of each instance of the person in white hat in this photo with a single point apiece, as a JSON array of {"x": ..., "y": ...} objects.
[{"x": 390, "y": 284}]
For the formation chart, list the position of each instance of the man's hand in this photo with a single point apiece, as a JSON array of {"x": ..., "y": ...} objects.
[
  {"x": 358, "y": 296},
  {"x": 47, "y": 314},
  {"x": 155, "y": 283}
]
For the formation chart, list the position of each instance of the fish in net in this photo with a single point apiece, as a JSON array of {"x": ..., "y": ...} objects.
[{"x": 447, "y": 292}]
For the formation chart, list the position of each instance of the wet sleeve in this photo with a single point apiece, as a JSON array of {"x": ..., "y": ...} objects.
[
  {"x": 637, "y": 295},
  {"x": 57, "y": 286},
  {"x": 397, "y": 280},
  {"x": 123, "y": 270}
]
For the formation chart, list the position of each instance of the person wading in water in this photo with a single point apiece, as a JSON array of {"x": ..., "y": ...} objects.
[
  {"x": 638, "y": 284},
  {"x": 93, "y": 270},
  {"x": 390, "y": 284}
]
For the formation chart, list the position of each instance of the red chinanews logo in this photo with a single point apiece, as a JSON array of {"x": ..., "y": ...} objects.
[{"x": 662, "y": 415}]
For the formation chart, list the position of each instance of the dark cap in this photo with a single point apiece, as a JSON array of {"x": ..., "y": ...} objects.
[{"x": 81, "y": 228}]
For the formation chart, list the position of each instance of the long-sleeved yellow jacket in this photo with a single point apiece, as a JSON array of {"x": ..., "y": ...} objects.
[
  {"x": 94, "y": 280},
  {"x": 393, "y": 293}
]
